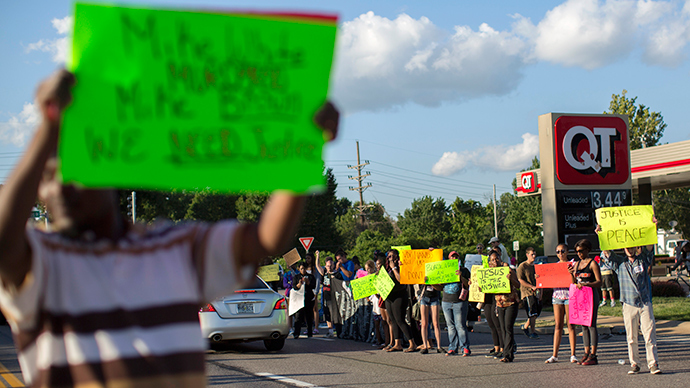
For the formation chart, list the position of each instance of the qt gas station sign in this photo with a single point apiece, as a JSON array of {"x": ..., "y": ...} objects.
[{"x": 585, "y": 165}]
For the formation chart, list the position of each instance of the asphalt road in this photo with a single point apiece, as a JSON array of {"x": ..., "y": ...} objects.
[{"x": 323, "y": 362}]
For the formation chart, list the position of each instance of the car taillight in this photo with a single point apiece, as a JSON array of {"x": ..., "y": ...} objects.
[
  {"x": 280, "y": 305},
  {"x": 245, "y": 291},
  {"x": 207, "y": 309}
]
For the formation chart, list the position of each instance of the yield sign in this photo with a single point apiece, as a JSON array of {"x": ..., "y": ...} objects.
[{"x": 306, "y": 242}]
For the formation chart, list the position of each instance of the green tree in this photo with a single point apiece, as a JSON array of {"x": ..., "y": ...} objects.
[
  {"x": 673, "y": 205},
  {"x": 471, "y": 223},
  {"x": 319, "y": 218},
  {"x": 426, "y": 223},
  {"x": 211, "y": 207},
  {"x": 250, "y": 205},
  {"x": 646, "y": 127}
]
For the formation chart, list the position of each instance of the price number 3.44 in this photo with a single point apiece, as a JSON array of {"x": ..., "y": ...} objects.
[{"x": 609, "y": 198}]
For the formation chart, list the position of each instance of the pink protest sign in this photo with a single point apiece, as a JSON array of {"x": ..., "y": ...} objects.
[{"x": 580, "y": 305}]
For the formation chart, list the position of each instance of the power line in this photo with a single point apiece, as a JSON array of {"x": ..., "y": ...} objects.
[{"x": 439, "y": 177}]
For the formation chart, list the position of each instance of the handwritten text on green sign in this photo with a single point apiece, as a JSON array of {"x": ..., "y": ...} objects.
[{"x": 192, "y": 100}]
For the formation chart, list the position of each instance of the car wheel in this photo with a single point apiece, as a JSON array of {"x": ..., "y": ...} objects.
[{"x": 274, "y": 344}]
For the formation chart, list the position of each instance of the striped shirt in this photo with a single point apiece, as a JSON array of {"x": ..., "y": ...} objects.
[{"x": 120, "y": 313}]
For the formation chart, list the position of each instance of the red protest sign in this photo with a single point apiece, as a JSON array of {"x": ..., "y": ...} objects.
[
  {"x": 553, "y": 275},
  {"x": 306, "y": 242}
]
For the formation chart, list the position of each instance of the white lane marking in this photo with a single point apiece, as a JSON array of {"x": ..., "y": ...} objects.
[
  {"x": 323, "y": 339},
  {"x": 288, "y": 380}
]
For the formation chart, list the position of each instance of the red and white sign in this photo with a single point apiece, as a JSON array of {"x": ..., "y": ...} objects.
[
  {"x": 528, "y": 182},
  {"x": 592, "y": 150},
  {"x": 306, "y": 242}
]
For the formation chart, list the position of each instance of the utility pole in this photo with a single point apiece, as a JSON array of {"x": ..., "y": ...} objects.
[
  {"x": 495, "y": 214},
  {"x": 360, "y": 188},
  {"x": 132, "y": 206}
]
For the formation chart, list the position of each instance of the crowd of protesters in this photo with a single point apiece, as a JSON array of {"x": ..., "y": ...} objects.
[{"x": 407, "y": 320}]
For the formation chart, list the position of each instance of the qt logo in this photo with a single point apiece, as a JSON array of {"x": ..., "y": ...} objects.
[
  {"x": 591, "y": 150},
  {"x": 529, "y": 182}
]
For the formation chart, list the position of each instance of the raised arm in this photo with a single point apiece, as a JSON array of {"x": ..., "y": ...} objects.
[
  {"x": 279, "y": 219},
  {"x": 317, "y": 263},
  {"x": 19, "y": 193}
]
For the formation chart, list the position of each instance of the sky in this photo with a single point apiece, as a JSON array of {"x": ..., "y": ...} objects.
[{"x": 442, "y": 96}]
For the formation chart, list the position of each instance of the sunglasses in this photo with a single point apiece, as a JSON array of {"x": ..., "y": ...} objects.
[{"x": 560, "y": 251}]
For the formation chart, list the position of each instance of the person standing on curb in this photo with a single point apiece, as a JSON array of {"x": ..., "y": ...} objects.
[
  {"x": 636, "y": 297},
  {"x": 496, "y": 244},
  {"x": 529, "y": 293}
]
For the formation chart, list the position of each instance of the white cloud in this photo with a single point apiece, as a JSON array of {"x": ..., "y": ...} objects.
[
  {"x": 498, "y": 157},
  {"x": 59, "y": 47},
  {"x": 382, "y": 63},
  {"x": 21, "y": 126}
]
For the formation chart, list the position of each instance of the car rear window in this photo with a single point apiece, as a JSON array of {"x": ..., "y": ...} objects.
[{"x": 256, "y": 284}]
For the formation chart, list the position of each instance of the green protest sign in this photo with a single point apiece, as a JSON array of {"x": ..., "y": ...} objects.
[
  {"x": 402, "y": 247},
  {"x": 441, "y": 272},
  {"x": 363, "y": 287},
  {"x": 384, "y": 284},
  {"x": 493, "y": 280},
  {"x": 196, "y": 100}
]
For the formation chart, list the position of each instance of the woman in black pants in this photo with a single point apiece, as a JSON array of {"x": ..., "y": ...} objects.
[
  {"x": 494, "y": 325},
  {"x": 507, "y": 309},
  {"x": 585, "y": 272},
  {"x": 396, "y": 306}
]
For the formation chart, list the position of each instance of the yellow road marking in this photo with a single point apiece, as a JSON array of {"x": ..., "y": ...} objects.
[{"x": 11, "y": 379}]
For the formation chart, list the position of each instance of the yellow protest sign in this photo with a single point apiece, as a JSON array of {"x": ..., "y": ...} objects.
[
  {"x": 363, "y": 287},
  {"x": 269, "y": 273},
  {"x": 475, "y": 294},
  {"x": 384, "y": 284},
  {"x": 441, "y": 272},
  {"x": 493, "y": 280},
  {"x": 412, "y": 264},
  {"x": 626, "y": 226}
]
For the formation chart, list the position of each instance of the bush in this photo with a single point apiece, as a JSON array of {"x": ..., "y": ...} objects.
[{"x": 667, "y": 288}]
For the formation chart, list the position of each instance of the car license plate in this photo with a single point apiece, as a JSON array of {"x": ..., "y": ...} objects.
[{"x": 245, "y": 308}]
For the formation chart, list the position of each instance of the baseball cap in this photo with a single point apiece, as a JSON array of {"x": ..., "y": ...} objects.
[
  {"x": 453, "y": 254},
  {"x": 493, "y": 240}
]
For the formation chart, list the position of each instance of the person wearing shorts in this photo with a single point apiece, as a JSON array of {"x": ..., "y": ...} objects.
[
  {"x": 430, "y": 302},
  {"x": 559, "y": 300},
  {"x": 607, "y": 279}
]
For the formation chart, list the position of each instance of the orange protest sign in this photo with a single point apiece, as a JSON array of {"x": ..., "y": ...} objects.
[
  {"x": 553, "y": 275},
  {"x": 412, "y": 264}
]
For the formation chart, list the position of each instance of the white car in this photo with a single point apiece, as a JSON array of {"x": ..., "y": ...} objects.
[{"x": 251, "y": 314}]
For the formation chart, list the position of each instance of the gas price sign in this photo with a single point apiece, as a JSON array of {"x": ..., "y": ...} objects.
[{"x": 575, "y": 212}]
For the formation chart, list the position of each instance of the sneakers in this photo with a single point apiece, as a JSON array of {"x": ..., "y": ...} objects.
[
  {"x": 491, "y": 354},
  {"x": 526, "y": 331},
  {"x": 466, "y": 353},
  {"x": 613, "y": 303},
  {"x": 573, "y": 359},
  {"x": 591, "y": 360},
  {"x": 551, "y": 360},
  {"x": 452, "y": 353},
  {"x": 534, "y": 336},
  {"x": 654, "y": 369},
  {"x": 603, "y": 303},
  {"x": 635, "y": 369},
  {"x": 583, "y": 359},
  {"x": 315, "y": 331}
]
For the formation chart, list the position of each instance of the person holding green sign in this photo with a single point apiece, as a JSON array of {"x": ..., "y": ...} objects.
[
  {"x": 95, "y": 273},
  {"x": 455, "y": 306}
]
